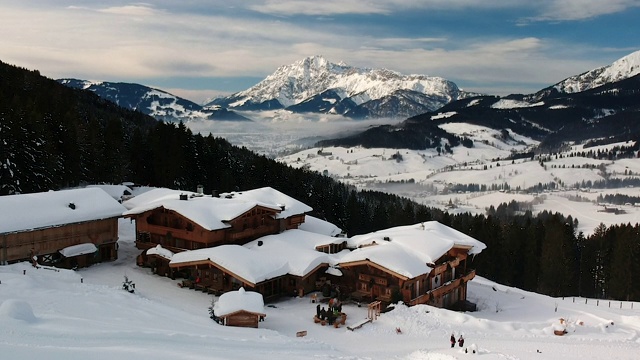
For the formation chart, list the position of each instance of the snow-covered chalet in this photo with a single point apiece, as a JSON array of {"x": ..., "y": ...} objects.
[
  {"x": 68, "y": 228},
  {"x": 260, "y": 240}
]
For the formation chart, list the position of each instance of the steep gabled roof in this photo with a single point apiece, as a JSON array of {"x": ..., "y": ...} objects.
[
  {"x": 211, "y": 213},
  {"x": 240, "y": 300},
  {"x": 296, "y": 248},
  {"x": 406, "y": 250},
  {"x": 315, "y": 225},
  {"x": 27, "y": 212},
  {"x": 244, "y": 264},
  {"x": 268, "y": 195}
]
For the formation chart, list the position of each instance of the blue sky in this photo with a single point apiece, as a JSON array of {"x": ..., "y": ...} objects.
[{"x": 203, "y": 48}]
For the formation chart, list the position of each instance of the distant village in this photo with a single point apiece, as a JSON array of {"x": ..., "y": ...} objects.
[{"x": 240, "y": 243}]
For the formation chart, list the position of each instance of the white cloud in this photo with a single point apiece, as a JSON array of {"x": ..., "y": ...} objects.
[
  {"x": 337, "y": 7},
  {"x": 131, "y": 10},
  {"x": 567, "y": 10},
  {"x": 104, "y": 43}
]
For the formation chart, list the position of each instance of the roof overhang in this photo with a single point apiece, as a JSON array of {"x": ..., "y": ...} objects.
[{"x": 375, "y": 265}]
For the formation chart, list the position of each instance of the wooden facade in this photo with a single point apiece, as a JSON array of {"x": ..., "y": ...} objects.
[
  {"x": 45, "y": 243},
  {"x": 177, "y": 233},
  {"x": 216, "y": 279},
  {"x": 445, "y": 286},
  {"x": 242, "y": 318}
]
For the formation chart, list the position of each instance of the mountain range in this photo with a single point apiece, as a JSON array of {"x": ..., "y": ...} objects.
[
  {"x": 601, "y": 104},
  {"x": 154, "y": 102},
  {"x": 316, "y": 85},
  {"x": 311, "y": 85}
]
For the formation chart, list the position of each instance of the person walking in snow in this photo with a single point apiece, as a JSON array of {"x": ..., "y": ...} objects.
[
  {"x": 461, "y": 341},
  {"x": 453, "y": 340}
]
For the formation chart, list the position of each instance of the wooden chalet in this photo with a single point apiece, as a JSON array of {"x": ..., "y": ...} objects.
[
  {"x": 239, "y": 308},
  {"x": 226, "y": 268},
  {"x": 69, "y": 228},
  {"x": 189, "y": 221},
  {"x": 421, "y": 264}
]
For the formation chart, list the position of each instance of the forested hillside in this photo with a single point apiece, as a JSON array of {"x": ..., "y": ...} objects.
[{"x": 52, "y": 137}]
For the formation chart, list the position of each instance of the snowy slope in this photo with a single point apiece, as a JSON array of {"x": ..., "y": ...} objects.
[
  {"x": 621, "y": 69},
  {"x": 154, "y": 102},
  {"x": 78, "y": 315}
]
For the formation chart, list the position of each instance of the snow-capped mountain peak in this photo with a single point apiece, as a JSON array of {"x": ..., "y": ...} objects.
[
  {"x": 623, "y": 68},
  {"x": 305, "y": 86}
]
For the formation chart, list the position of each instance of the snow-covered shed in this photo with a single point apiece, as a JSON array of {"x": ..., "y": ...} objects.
[
  {"x": 240, "y": 308},
  {"x": 58, "y": 227}
]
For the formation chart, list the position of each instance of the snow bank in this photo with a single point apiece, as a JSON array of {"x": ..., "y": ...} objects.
[{"x": 17, "y": 309}]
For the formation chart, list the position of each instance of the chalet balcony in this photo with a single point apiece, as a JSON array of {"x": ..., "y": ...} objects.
[
  {"x": 252, "y": 233},
  {"x": 444, "y": 289},
  {"x": 176, "y": 233}
]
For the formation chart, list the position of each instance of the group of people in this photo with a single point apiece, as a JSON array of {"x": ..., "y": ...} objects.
[
  {"x": 460, "y": 340},
  {"x": 332, "y": 313}
]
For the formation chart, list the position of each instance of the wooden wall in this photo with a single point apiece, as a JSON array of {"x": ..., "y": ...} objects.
[
  {"x": 24, "y": 245},
  {"x": 242, "y": 319},
  {"x": 175, "y": 232}
]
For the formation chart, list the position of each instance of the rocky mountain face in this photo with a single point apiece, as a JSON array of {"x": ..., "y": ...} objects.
[
  {"x": 601, "y": 104},
  {"x": 319, "y": 86},
  {"x": 623, "y": 68},
  {"x": 156, "y": 103}
]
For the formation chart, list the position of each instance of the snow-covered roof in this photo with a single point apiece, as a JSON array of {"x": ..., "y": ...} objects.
[
  {"x": 115, "y": 191},
  {"x": 406, "y": 250},
  {"x": 272, "y": 196},
  {"x": 234, "y": 301},
  {"x": 391, "y": 256},
  {"x": 153, "y": 196},
  {"x": 319, "y": 226},
  {"x": 77, "y": 250},
  {"x": 209, "y": 212},
  {"x": 250, "y": 266},
  {"x": 26, "y": 212},
  {"x": 160, "y": 251},
  {"x": 296, "y": 248}
]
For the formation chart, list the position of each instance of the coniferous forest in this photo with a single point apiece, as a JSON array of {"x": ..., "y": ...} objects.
[{"x": 53, "y": 137}]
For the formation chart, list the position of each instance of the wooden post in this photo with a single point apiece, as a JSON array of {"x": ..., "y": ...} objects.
[{"x": 373, "y": 310}]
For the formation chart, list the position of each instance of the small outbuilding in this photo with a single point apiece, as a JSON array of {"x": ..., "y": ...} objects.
[{"x": 240, "y": 308}]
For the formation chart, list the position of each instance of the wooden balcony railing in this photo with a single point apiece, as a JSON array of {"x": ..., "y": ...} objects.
[{"x": 445, "y": 288}]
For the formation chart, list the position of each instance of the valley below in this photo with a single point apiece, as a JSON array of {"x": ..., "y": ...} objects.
[{"x": 465, "y": 180}]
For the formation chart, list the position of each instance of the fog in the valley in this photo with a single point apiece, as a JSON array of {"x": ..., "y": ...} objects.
[{"x": 274, "y": 133}]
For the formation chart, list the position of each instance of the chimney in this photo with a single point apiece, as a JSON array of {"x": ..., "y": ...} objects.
[
  {"x": 184, "y": 197},
  {"x": 200, "y": 189}
]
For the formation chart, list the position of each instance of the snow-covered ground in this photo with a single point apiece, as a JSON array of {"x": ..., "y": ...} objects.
[
  {"x": 428, "y": 177},
  {"x": 85, "y": 314},
  {"x": 425, "y": 175}
]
